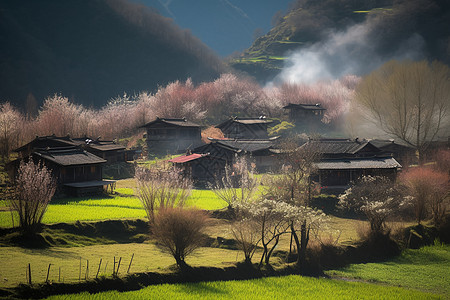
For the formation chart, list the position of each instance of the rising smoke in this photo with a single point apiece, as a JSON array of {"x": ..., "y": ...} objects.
[
  {"x": 350, "y": 52},
  {"x": 357, "y": 50}
]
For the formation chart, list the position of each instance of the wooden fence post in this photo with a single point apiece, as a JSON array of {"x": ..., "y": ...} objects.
[
  {"x": 128, "y": 271},
  {"x": 98, "y": 270},
  {"x": 86, "y": 276},
  {"x": 29, "y": 274},
  {"x": 48, "y": 272},
  {"x": 118, "y": 266},
  {"x": 114, "y": 266}
]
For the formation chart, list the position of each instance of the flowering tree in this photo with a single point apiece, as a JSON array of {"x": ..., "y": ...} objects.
[
  {"x": 10, "y": 128},
  {"x": 377, "y": 197},
  {"x": 34, "y": 188},
  {"x": 58, "y": 116},
  {"x": 430, "y": 190},
  {"x": 295, "y": 187},
  {"x": 271, "y": 219}
]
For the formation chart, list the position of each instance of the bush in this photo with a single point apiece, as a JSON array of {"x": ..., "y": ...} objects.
[{"x": 179, "y": 232}]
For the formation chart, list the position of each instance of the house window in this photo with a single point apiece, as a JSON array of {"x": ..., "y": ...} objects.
[{"x": 93, "y": 169}]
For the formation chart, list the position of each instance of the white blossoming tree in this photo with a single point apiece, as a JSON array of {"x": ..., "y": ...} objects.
[
  {"x": 273, "y": 218},
  {"x": 377, "y": 197}
]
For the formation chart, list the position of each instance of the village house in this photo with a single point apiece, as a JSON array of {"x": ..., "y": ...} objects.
[
  {"x": 172, "y": 136},
  {"x": 42, "y": 142},
  {"x": 261, "y": 153},
  {"x": 245, "y": 128},
  {"x": 404, "y": 154},
  {"x": 108, "y": 150},
  {"x": 77, "y": 171},
  {"x": 207, "y": 162},
  {"x": 201, "y": 168},
  {"x": 304, "y": 113},
  {"x": 345, "y": 160}
]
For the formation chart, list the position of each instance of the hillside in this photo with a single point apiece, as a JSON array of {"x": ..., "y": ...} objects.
[
  {"x": 387, "y": 29},
  {"x": 92, "y": 50},
  {"x": 228, "y": 26}
]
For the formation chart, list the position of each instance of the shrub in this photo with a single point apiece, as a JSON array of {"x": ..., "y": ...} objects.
[
  {"x": 430, "y": 191},
  {"x": 179, "y": 232},
  {"x": 160, "y": 189}
]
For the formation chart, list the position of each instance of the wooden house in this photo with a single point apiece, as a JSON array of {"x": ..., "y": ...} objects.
[
  {"x": 344, "y": 160},
  {"x": 262, "y": 153},
  {"x": 201, "y": 168},
  {"x": 171, "y": 136},
  {"x": 304, "y": 113},
  {"x": 403, "y": 153},
  {"x": 77, "y": 171},
  {"x": 42, "y": 142},
  {"x": 245, "y": 128},
  {"x": 108, "y": 150}
]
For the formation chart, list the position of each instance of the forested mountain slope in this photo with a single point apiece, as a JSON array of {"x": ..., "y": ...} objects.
[
  {"x": 92, "y": 50},
  {"x": 384, "y": 29}
]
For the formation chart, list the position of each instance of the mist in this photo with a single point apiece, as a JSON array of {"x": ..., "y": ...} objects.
[{"x": 354, "y": 51}]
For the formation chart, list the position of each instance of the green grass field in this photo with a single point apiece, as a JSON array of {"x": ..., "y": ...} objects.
[
  {"x": 416, "y": 274},
  {"x": 426, "y": 269},
  {"x": 147, "y": 257},
  {"x": 124, "y": 205},
  {"x": 287, "y": 287}
]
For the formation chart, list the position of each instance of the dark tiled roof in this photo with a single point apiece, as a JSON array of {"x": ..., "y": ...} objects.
[
  {"x": 247, "y": 145},
  {"x": 47, "y": 141},
  {"x": 246, "y": 121},
  {"x": 177, "y": 122},
  {"x": 337, "y": 146},
  {"x": 383, "y": 143},
  {"x": 304, "y": 106},
  {"x": 362, "y": 163},
  {"x": 98, "y": 144},
  {"x": 68, "y": 156},
  {"x": 106, "y": 146}
]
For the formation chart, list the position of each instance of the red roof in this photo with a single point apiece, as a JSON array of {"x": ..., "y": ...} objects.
[{"x": 186, "y": 158}]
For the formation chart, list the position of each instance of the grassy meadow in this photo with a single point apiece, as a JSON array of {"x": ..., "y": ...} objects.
[
  {"x": 286, "y": 287},
  {"x": 416, "y": 274},
  {"x": 122, "y": 205},
  {"x": 426, "y": 269}
]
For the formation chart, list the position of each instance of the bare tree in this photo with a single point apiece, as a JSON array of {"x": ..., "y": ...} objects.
[
  {"x": 179, "y": 231},
  {"x": 295, "y": 187},
  {"x": 238, "y": 184},
  {"x": 410, "y": 100},
  {"x": 34, "y": 188},
  {"x": 246, "y": 233},
  {"x": 161, "y": 189}
]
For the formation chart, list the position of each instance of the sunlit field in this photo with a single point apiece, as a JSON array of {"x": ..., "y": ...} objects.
[
  {"x": 427, "y": 269},
  {"x": 287, "y": 287},
  {"x": 123, "y": 205}
]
